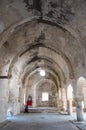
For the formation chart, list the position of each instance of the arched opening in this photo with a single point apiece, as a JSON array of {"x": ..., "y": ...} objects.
[
  {"x": 79, "y": 99},
  {"x": 70, "y": 99},
  {"x": 81, "y": 92}
]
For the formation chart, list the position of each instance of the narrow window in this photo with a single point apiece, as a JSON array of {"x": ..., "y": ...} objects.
[{"x": 45, "y": 96}]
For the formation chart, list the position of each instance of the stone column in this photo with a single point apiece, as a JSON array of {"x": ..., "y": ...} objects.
[
  {"x": 3, "y": 99},
  {"x": 69, "y": 106},
  {"x": 59, "y": 100},
  {"x": 84, "y": 93},
  {"x": 79, "y": 109},
  {"x": 22, "y": 93},
  {"x": 14, "y": 103},
  {"x": 64, "y": 101},
  {"x": 34, "y": 96}
]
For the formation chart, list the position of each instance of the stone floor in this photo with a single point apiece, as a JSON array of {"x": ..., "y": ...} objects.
[
  {"x": 43, "y": 121},
  {"x": 40, "y": 121}
]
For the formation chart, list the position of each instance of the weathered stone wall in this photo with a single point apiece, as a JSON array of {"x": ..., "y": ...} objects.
[{"x": 52, "y": 93}]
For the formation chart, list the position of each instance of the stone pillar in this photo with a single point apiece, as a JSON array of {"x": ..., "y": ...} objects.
[
  {"x": 79, "y": 109},
  {"x": 64, "y": 101},
  {"x": 3, "y": 99},
  {"x": 22, "y": 94},
  {"x": 59, "y": 100},
  {"x": 59, "y": 104},
  {"x": 69, "y": 106},
  {"x": 84, "y": 93},
  {"x": 14, "y": 103},
  {"x": 34, "y": 96}
]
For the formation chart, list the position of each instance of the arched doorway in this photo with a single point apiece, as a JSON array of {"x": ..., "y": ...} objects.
[{"x": 70, "y": 99}]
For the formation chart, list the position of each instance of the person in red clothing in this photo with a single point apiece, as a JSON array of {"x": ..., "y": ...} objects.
[{"x": 29, "y": 101}]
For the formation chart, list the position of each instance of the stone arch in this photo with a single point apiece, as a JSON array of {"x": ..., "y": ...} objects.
[
  {"x": 10, "y": 30},
  {"x": 70, "y": 92},
  {"x": 70, "y": 99},
  {"x": 38, "y": 98},
  {"x": 80, "y": 83},
  {"x": 79, "y": 98},
  {"x": 81, "y": 91}
]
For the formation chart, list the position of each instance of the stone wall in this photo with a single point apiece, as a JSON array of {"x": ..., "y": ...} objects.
[{"x": 52, "y": 93}]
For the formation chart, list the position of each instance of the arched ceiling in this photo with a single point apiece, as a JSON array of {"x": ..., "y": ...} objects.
[{"x": 36, "y": 34}]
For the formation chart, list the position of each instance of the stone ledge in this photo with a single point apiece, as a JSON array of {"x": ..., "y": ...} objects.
[
  {"x": 81, "y": 125},
  {"x": 5, "y": 123},
  {"x": 42, "y": 109}
]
